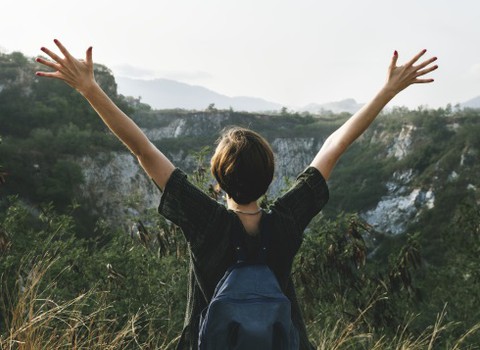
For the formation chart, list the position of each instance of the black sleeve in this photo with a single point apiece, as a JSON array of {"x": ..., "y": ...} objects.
[
  {"x": 305, "y": 198},
  {"x": 188, "y": 207}
]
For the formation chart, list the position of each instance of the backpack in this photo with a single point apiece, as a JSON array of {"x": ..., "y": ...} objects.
[{"x": 248, "y": 309}]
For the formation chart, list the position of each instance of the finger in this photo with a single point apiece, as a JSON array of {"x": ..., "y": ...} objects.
[
  {"x": 426, "y": 70},
  {"x": 423, "y": 81},
  {"x": 47, "y": 63},
  {"x": 416, "y": 58},
  {"x": 48, "y": 75},
  {"x": 393, "y": 63},
  {"x": 63, "y": 49},
  {"x": 52, "y": 54},
  {"x": 426, "y": 62},
  {"x": 89, "y": 60}
]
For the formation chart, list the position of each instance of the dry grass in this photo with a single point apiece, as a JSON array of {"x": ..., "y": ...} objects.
[
  {"x": 342, "y": 336},
  {"x": 35, "y": 321}
]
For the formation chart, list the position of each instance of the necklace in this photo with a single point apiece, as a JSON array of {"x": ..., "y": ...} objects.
[{"x": 248, "y": 212}]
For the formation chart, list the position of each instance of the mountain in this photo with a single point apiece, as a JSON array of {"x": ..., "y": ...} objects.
[
  {"x": 170, "y": 94},
  {"x": 473, "y": 103},
  {"x": 348, "y": 105}
]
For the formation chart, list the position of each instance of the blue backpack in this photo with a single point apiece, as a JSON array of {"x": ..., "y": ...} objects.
[{"x": 248, "y": 309}]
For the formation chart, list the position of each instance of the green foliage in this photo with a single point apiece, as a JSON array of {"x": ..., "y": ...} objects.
[
  {"x": 45, "y": 123},
  {"x": 454, "y": 266},
  {"x": 2, "y": 174},
  {"x": 61, "y": 183},
  {"x": 341, "y": 283},
  {"x": 334, "y": 256},
  {"x": 143, "y": 273},
  {"x": 358, "y": 179}
]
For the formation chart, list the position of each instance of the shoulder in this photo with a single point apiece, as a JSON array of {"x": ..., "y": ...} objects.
[
  {"x": 188, "y": 206},
  {"x": 309, "y": 185},
  {"x": 179, "y": 189},
  {"x": 305, "y": 199}
]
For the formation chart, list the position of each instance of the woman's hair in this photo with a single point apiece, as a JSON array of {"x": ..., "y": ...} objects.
[{"x": 243, "y": 164}]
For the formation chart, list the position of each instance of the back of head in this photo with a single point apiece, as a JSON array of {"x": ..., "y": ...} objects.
[{"x": 243, "y": 164}]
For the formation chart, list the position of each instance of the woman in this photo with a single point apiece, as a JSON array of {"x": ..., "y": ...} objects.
[{"x": 243, "y": 166}]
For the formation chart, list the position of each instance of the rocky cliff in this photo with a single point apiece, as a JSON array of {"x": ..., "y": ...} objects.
[
  {"x": 408, "y": 164},
  {"x": 406, "y": 190}
]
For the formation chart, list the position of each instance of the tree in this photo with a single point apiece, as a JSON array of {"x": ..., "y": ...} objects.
[{"x": 211, "y": 108}]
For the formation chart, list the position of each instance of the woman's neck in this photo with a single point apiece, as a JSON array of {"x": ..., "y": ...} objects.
[
  {"x": 249, "y": 214},
  {"x": 251, "y": 208}
]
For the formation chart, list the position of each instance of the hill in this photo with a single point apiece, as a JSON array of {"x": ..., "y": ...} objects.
[
  {"x": 168, "y": 94},
  {"x": 348, "y": 105},
  {"x": 472, "y": 103}
]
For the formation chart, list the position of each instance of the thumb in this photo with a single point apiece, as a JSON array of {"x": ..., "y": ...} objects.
[
  {"x": 393, "y": 63},
  {"x": 89, "y": 56}
]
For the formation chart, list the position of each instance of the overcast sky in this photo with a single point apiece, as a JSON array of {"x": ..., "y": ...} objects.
[{"x": 288, "y": 51}]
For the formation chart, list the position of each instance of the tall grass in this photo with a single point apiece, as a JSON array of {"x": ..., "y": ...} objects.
[
  {"x": 340, "y": 335},
  {"x": 34, "y": 320}
]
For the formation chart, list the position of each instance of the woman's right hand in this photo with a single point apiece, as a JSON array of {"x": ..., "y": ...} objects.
[
  {"x": 398, "y": 79},
  {"x": 401, "y": 77},
  {"x": 76, "y": 73}
]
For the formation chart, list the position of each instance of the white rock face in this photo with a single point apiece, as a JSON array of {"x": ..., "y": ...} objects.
[
  {"x": 400, "y": 206},
  {"x": 401, "y": 144},
  {"x": 195, "y": 125},
  {"x": 117, "y": 185},
  {"x": 173, "y": 129},
  {"x": 453, "y": 176},
  {"x": 183, "y": 160},
  {"x": 392, "y": 212},
  {"x": 471, "y": 187},
  {"x": 120, "y": 189},
  {"x": 429, "y": 199},
  {"x": 292, "y": 156}
]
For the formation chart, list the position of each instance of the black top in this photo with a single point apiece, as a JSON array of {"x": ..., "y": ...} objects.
[{"x": 208, "y": 226}]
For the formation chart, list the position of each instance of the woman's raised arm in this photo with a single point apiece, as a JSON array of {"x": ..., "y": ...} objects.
[
  {"x": 79, "y": 75},
  {"x": 398, "y": 79}
]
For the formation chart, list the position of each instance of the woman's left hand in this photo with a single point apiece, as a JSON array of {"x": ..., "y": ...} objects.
[{"x": 76, "y": 73}]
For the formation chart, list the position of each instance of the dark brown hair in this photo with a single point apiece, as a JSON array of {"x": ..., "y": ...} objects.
[{"x": 243, "y": 164}]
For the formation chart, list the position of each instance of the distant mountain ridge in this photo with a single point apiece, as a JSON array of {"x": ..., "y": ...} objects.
[
  {"x": 170, "y": 94},
  {"x": 346, "y": 105},
  {"x": 472, "y": 103}
]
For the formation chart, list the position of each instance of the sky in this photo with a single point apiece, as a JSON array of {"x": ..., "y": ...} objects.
[{"x": 292, "y": 52}]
